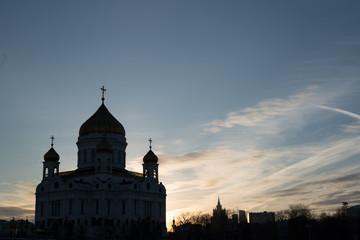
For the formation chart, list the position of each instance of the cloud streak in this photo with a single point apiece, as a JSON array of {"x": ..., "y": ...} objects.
[
  {"x": 264, "y": 110},
  {"x": 350, "y": 114}
]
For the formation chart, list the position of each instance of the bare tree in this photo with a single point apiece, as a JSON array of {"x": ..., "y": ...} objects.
[
  {"x": 296, "y": 211},
  {"x": 281, "y": 216},
  {"x": 194, "y": 218}
]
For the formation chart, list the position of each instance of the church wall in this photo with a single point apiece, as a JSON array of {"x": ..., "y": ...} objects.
[{"x": 125, "y": 202}]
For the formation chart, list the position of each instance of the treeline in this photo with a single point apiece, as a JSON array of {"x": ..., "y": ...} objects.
[{"x": 298, "y": 222}]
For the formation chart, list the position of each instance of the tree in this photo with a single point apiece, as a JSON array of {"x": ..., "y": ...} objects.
[
  {"x": 194, "y": 218},
  {"x": 299, "y": 221},
  {"x": 297, "y": 211},
  {"x": 281, "y": 216}
]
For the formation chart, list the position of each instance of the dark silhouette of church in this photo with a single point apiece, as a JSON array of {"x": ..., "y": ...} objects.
[{"x": 101, "y": 198}]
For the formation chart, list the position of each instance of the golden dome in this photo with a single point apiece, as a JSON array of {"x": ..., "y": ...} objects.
[
  {"x": 150, "y": 157},
  {"x": 51, "y": 155},
  {"x": 104, "y": 146},
  {"x": 102, "y": 121}
]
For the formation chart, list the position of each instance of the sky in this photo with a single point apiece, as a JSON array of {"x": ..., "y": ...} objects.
[{"x": 255, "y": 102}]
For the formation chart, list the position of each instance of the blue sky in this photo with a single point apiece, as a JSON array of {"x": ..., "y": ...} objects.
[{"x": 252, "y": 101}]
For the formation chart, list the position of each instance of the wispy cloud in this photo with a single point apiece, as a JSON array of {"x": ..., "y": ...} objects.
[
  {"x": 351, "y": 128},
  {"x": 263, "y": 111}
]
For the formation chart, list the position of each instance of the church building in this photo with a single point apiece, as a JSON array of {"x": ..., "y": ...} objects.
[{"x": 101, "y": 197}]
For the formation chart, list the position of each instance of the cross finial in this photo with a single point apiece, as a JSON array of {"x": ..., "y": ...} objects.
[
  {"x": 103, "y": 91},
  {"x": 150, "y": 142},
  {"x": 52, "y": 140}
]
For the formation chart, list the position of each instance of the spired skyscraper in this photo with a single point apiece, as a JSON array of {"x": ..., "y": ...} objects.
[{"x": 100, "y": 197}]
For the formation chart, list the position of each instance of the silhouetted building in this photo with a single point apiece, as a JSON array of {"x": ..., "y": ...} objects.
[
  {"x": 16, "y": 228},
  {"x": 242, "y": 216},
  {"x": 219, "y": 220},
  {"x": 100, "y": 197},
  {"x": 219, "y": 213},
  {"x": 262, "y": 217},
  {"x": 354, "y": 212},
  {"x": 234, "y": 219}
]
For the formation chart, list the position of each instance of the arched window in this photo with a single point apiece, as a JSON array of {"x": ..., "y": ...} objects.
[
  {"x": 108, "y": 165},
  {"x": 155, "y": 173},
  {"x": 146, "y": 172},
  {"x": 46, "y": 172},
  {"x": 98, "y": 164}
]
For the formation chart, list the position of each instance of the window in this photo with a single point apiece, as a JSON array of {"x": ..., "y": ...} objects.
[
  {"x": 147, "y": 208},
  {"x": 55, "y": 207},
  {"x": 123, "y": 207},
  {"x": 46, "y": 172},
  {"x": 96, "y": 206},
  {"x": 155, "y": 173},
  {"x": 92, "y": 155},
  {"x": 108, "y": 165},
  {"x": 136, "y": 202},
  {"x": 82, "y": 205},
  {"x": 160, "y": 212},
  {"x": 41, "y": 209},
  {"x": 98, "y": 164},
  {"x": 70, "y": 206},
  {"x": 109, "y": 206},
  {"x": 146, "y": 172}
]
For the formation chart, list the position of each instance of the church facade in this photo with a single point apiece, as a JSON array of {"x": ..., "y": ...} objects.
[{"x": 101, "y": 197}]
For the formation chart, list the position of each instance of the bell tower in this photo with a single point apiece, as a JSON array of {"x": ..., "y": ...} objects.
[
  {"x": 51, "y": 163},
  {"x": 150, "y": 165}
]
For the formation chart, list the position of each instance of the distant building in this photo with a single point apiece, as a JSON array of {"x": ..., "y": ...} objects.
[
  {"x": 219, "y": 219},
  {"x": 354, "y": 212},
  {"x": 100, "y": 197},
  {"x": 219, "y": 213},
  {"x": 234, "y": 219},
  {"x": 262, "y": 217},
  {"x": 16, "y": 228},
  {"x": 242, "y": 216}
]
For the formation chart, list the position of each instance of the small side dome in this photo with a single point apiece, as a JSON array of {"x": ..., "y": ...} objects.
[
  {"x": 51, "y": 156},
  {"x": 150, "y": 157},
  {"x": 104, "y": 146}
]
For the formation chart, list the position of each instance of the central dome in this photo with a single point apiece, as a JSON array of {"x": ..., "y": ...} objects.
[{"x": 102, "y": 121}]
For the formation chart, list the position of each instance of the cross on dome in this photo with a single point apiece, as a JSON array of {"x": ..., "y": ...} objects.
[
  {"x": 150, "y": 140},
  {"x": 103, "y": 91},
  {"x": 52, "y": 140}
]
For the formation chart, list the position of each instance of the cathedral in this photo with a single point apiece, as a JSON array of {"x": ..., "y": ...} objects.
[{"x": 101, "y": 197}]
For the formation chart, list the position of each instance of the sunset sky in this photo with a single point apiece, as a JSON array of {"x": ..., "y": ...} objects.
[{"x": 256, "y": 102}]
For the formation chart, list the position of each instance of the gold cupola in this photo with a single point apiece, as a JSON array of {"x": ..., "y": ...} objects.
[{"x": 102, "y": 121}]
